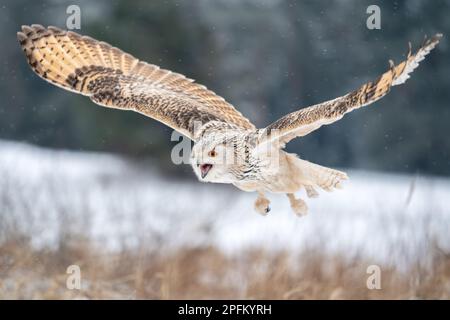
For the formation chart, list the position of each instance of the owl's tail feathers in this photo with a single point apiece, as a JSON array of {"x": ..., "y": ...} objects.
[{"x": 326, "y": 178}]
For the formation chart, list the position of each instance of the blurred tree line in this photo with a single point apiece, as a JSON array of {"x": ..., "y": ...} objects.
[{"x": 267, "y": 58}]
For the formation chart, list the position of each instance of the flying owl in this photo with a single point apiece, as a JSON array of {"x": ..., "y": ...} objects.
[{"x": 228, "y": 148}]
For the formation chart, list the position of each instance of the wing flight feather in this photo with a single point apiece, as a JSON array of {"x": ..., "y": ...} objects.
[{"x": 113, "y": 78}]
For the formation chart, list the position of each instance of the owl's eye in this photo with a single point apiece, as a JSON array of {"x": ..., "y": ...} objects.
[{"x": 212, "y": 153}]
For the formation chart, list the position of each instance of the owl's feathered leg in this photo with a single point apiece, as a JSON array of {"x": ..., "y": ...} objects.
[
  {"x": 298, "y": 205},
  {"x": 311, "y": 192},
  {"x": 262, "y": 204}
]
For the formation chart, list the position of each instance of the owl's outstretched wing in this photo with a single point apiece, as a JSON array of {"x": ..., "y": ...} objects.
[
  {"x": 113, "y": 78},
  {"x": 304, "y": 121}
]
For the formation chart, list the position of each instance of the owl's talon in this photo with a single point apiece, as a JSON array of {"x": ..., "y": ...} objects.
[
  {"x": 262, "y": 204},
  {"x": 298, "y": 205},
  {"x": 263, "y": 210}
]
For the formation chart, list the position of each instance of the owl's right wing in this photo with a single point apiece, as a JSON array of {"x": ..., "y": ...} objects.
[
  {"x": 113, "y": 78},
  {"x": 304, "y": 121}
]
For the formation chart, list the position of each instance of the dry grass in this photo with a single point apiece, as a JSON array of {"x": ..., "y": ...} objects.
[{"x": 27, "y": 273}]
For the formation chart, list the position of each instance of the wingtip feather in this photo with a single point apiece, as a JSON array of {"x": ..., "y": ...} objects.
[
  {"x": 21, "y": 37},
  {"x": 27, "y": 30}
]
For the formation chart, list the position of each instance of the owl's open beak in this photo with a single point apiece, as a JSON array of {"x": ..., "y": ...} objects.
[{"x": 204, "y": 169}]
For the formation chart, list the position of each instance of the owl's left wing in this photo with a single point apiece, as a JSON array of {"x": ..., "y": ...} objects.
[
  {"x": 115, "y": 79},
  {"x": 304, "y": 121}
]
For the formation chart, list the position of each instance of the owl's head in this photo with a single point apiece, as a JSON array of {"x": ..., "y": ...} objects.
[{"x": 213, "y": 160}]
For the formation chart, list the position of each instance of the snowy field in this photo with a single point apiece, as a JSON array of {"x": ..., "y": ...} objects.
[{"x": 394, "y": 219}]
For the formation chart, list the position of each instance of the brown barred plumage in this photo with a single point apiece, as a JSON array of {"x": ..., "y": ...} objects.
[
  {"x": 304, "y": 121},
  {"x": 113, "y": 78}
]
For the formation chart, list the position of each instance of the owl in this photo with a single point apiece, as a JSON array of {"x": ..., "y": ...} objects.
[{"x": 228, "y": 148}]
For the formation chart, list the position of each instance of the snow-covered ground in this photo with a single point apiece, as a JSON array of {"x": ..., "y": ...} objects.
[{"x": 45, "y": 194}]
